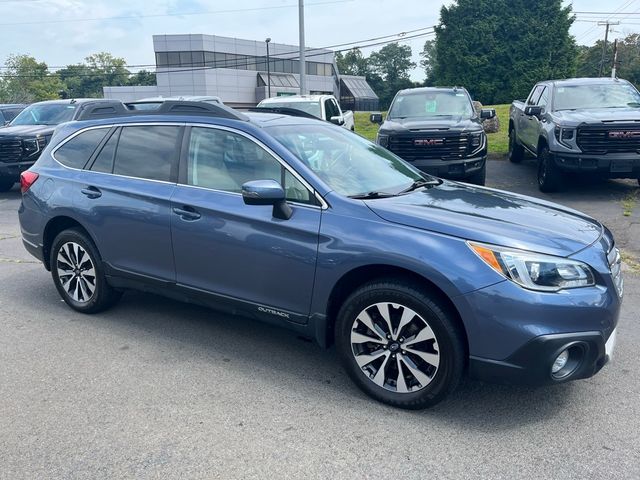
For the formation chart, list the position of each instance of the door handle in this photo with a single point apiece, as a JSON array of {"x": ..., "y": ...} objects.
[
  {"x": 91, "y": 192},
  {"x": 187, "y": 213}
]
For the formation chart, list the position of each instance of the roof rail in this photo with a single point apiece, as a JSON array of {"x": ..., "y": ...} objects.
[
  {"x": 284, "y": 111},
  {"x": 168, "y": 107}
]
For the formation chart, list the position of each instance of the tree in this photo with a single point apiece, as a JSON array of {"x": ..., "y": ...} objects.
[
  {"x": 101, "y": 69},
  {"x": 390, "y": 68},
  {"x": 143, "y": 77},
  {"x": 428, "y": 62},
  {"x": 628, "y": 66},
  {"x": 27, "y": 80},
  {"x": 499, "y": 48},
  {"x": 353, "y": 63}
]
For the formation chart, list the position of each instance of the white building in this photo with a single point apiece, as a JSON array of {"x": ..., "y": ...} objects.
[{"x": 236, "y": 71}]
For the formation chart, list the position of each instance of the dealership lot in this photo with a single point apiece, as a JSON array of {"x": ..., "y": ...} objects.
[{"x": 155, "y": 388}]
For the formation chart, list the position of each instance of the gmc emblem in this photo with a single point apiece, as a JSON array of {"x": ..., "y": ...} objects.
[
  {"x": 625, "y": 134},
  {"x": 429, "y": 142}
]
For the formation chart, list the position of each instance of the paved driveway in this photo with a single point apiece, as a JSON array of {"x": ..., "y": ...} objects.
[{"x": 158, "y": 389}]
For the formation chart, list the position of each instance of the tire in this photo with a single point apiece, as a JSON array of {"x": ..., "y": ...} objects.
[
  {"x": 480, "y": 177},
  {"x": 550, "y": 178},
  {"x": 516, "y": 152},
  {"x": 6, "y": 184},
  {"x": 431, "y": 367},
  {"x": 81, "y": 284}
]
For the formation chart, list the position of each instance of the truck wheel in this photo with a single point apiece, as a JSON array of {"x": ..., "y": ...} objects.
[
  {"x": 78, "y": 274},
  {"x": 516, "y": 152},
  {"x": 549, "y": 176},
  {"x": 6, "y": 184},
  {"x": 399, "y": 344},
  {"x": 480, "y": 177}
]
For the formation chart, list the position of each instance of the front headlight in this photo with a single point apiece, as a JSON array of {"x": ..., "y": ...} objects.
[
  {"x": 30, "y": 146},
  {"x": 476, "y": 142},
  {"x": 564, "y": 135},
  {"x": 382, "y": 140},
  {"x": 535, "y": 271}
]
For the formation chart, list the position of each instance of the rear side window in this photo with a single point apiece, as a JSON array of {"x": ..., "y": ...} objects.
[
  {"x": 76, "y": 152},
  {"x": 104, "y": 160},
  {"x": 149, "y": 152}
]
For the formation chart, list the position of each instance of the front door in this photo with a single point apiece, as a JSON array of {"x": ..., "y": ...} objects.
[{"x": 238, "y": 251}]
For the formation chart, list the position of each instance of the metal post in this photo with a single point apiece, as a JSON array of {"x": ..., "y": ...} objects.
[
  {"x": 268, "y": 70},
  {"x": 303, "y": 71},
  {"x": 606, "y": 24}
]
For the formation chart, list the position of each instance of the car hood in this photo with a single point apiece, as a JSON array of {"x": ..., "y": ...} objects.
[
  {"x": 491, "y": 216},
  {"x": 27, "y": 130},
  {"x": 437, "y": 123},
  {"x": 595, "y": 115}
]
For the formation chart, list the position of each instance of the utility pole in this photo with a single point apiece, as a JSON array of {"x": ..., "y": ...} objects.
[
  {"x": 268, "y": 69},
  {"x": 615, "y": 59},
  {"x": 606, "y": 24},
  {"x": 303, "y": 63}
]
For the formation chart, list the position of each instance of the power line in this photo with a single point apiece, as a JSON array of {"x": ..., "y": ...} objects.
[{"x": 160, "y": 15}]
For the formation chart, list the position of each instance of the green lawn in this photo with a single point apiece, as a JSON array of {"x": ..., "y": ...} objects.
[{"x": 498, "y": 142}]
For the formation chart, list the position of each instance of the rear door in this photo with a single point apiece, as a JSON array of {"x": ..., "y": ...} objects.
[
  {"x": 123, "y": 195},
  {"x": 237, "y": 251}
]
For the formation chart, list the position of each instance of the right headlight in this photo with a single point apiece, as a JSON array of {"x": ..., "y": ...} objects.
[
  {"x": 535, "y": 271},
  {"x": 382, "y": 140}
]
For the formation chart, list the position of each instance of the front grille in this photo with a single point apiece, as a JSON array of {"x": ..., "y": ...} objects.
[
  {"x": 431, "y": 146},
  {"x": 615, "y": 264},
  {"x": 609, "y": 139},
  {"x": 10, "y": 150}
]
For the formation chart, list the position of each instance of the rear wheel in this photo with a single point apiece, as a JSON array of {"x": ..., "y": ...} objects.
[
  {"x": 480, "y": 177},
  {"x": 549, "y": 176},
  {"x": 78, "y": 273},
  {"x": 6, "y": 184},
  {"x": 516, "y": 151},
  {"x": 399, "y": 344}
]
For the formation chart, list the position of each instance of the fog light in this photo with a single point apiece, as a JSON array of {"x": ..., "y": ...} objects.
[{"x": 560, "y": 361}]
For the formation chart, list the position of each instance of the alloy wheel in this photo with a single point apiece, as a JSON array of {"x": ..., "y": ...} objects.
[
  {"x": 76, "y": 272},
  {"x": 395, "y": 347}
]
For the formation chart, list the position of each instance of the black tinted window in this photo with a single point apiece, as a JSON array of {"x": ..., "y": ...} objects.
[
  {"x": 147, "y": 152},
  {"x": 77, "y": 151},
  {"x": 104, "y": 160}
]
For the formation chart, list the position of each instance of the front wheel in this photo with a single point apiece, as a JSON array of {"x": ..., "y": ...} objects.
[
  {"x": 549, "y": 176},
  {"x": 78, "y": 273},
  {"x": 399, "y": 344}
]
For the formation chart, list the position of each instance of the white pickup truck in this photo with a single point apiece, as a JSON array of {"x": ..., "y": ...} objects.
[{"x": 325, "y": 107}]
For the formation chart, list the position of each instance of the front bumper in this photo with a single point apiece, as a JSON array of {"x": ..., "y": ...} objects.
[
  {"x": 455, "y": 169},
  {"x": 612, "y": 165}
]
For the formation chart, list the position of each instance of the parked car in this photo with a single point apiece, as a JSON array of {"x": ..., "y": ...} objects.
[
  {"x": 24, "y": 139},
  {"x": 8, "y": 112},
  {"x": 437, "y": 130},
  {"x": 578, "y": 126},
  {"x": 153, "y": 103},
  {"x": 325, "y": 107},
  {"x": 302, "y": 224}
]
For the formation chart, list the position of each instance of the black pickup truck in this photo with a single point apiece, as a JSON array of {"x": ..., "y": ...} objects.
[
  {"x": 578, "y": 126},
  {"x": 22, "y": 141},
  {"x": 438, "y": 131}
]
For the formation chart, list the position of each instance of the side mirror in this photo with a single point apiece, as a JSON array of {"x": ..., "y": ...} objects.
[
  {"x": 533, "y": 111},
  {"x": 487, "y": 113},
  {"x": 337, "y": 120},
  {"x": 376, "y": 118},
  {"x": 267, "y": 192}
]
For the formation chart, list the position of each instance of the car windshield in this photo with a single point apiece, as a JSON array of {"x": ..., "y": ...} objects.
[
  {"x": 348, "y": 163},
  {"x": 433, "y": 103},
  {"x": 312, "y": 108},
  {"x": 604, "y": 95},
  {"x": 45, "y": 114}
]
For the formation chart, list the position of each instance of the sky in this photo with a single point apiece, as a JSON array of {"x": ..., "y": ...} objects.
[{"x": 62, "y": 32}]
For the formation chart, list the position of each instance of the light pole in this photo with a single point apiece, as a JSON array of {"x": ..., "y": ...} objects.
[
  {"x": 303, "y": 63},
  {"x": 268, "y": 70}
]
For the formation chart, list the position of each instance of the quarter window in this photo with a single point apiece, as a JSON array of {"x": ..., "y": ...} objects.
[
  {"x": 104, "y": 161},
  {"x": 149, "y": 152},
  {"x": 76, "y": 152}
]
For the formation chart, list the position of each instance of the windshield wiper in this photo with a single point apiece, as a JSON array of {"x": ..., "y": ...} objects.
[
  {"x": 370, "y": 195},
  {"x": 419, "y": 184}
]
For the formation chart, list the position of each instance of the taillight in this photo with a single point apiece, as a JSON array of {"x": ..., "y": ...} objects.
[{"x": 27, "y": 179}]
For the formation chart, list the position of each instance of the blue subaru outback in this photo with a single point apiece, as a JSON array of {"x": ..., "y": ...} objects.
[{"x": 299, "y": 223}]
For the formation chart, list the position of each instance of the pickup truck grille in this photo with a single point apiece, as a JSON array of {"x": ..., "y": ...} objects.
[
  {"x": 429, "y": 146},
  {"x": 615, "y": 264},
  {"x": 609, "y": 139},
  {"x": 10, "y": 150}
]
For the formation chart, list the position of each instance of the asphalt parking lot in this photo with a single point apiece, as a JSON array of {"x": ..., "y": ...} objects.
[{"x": 158, "y": 389}]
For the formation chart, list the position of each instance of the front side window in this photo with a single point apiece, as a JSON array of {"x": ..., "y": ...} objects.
[
  {"x": 45, "y": 114},
  {"x": 76, "y": 152},
  {"x": 348, "y": 163},
  {"x": 149, "y": 152},
  {"x": 223, "y": 160},
  {"x": 544, "y": 98},
  {"x": 432, "y": 103}
]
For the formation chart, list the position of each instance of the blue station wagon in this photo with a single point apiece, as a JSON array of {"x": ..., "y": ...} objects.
[{"x": 416, "y": 280}]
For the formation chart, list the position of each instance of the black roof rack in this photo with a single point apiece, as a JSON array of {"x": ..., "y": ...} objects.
[
  {"x": 284, "y": 111},
  {"x": 94, "y": 111}
]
